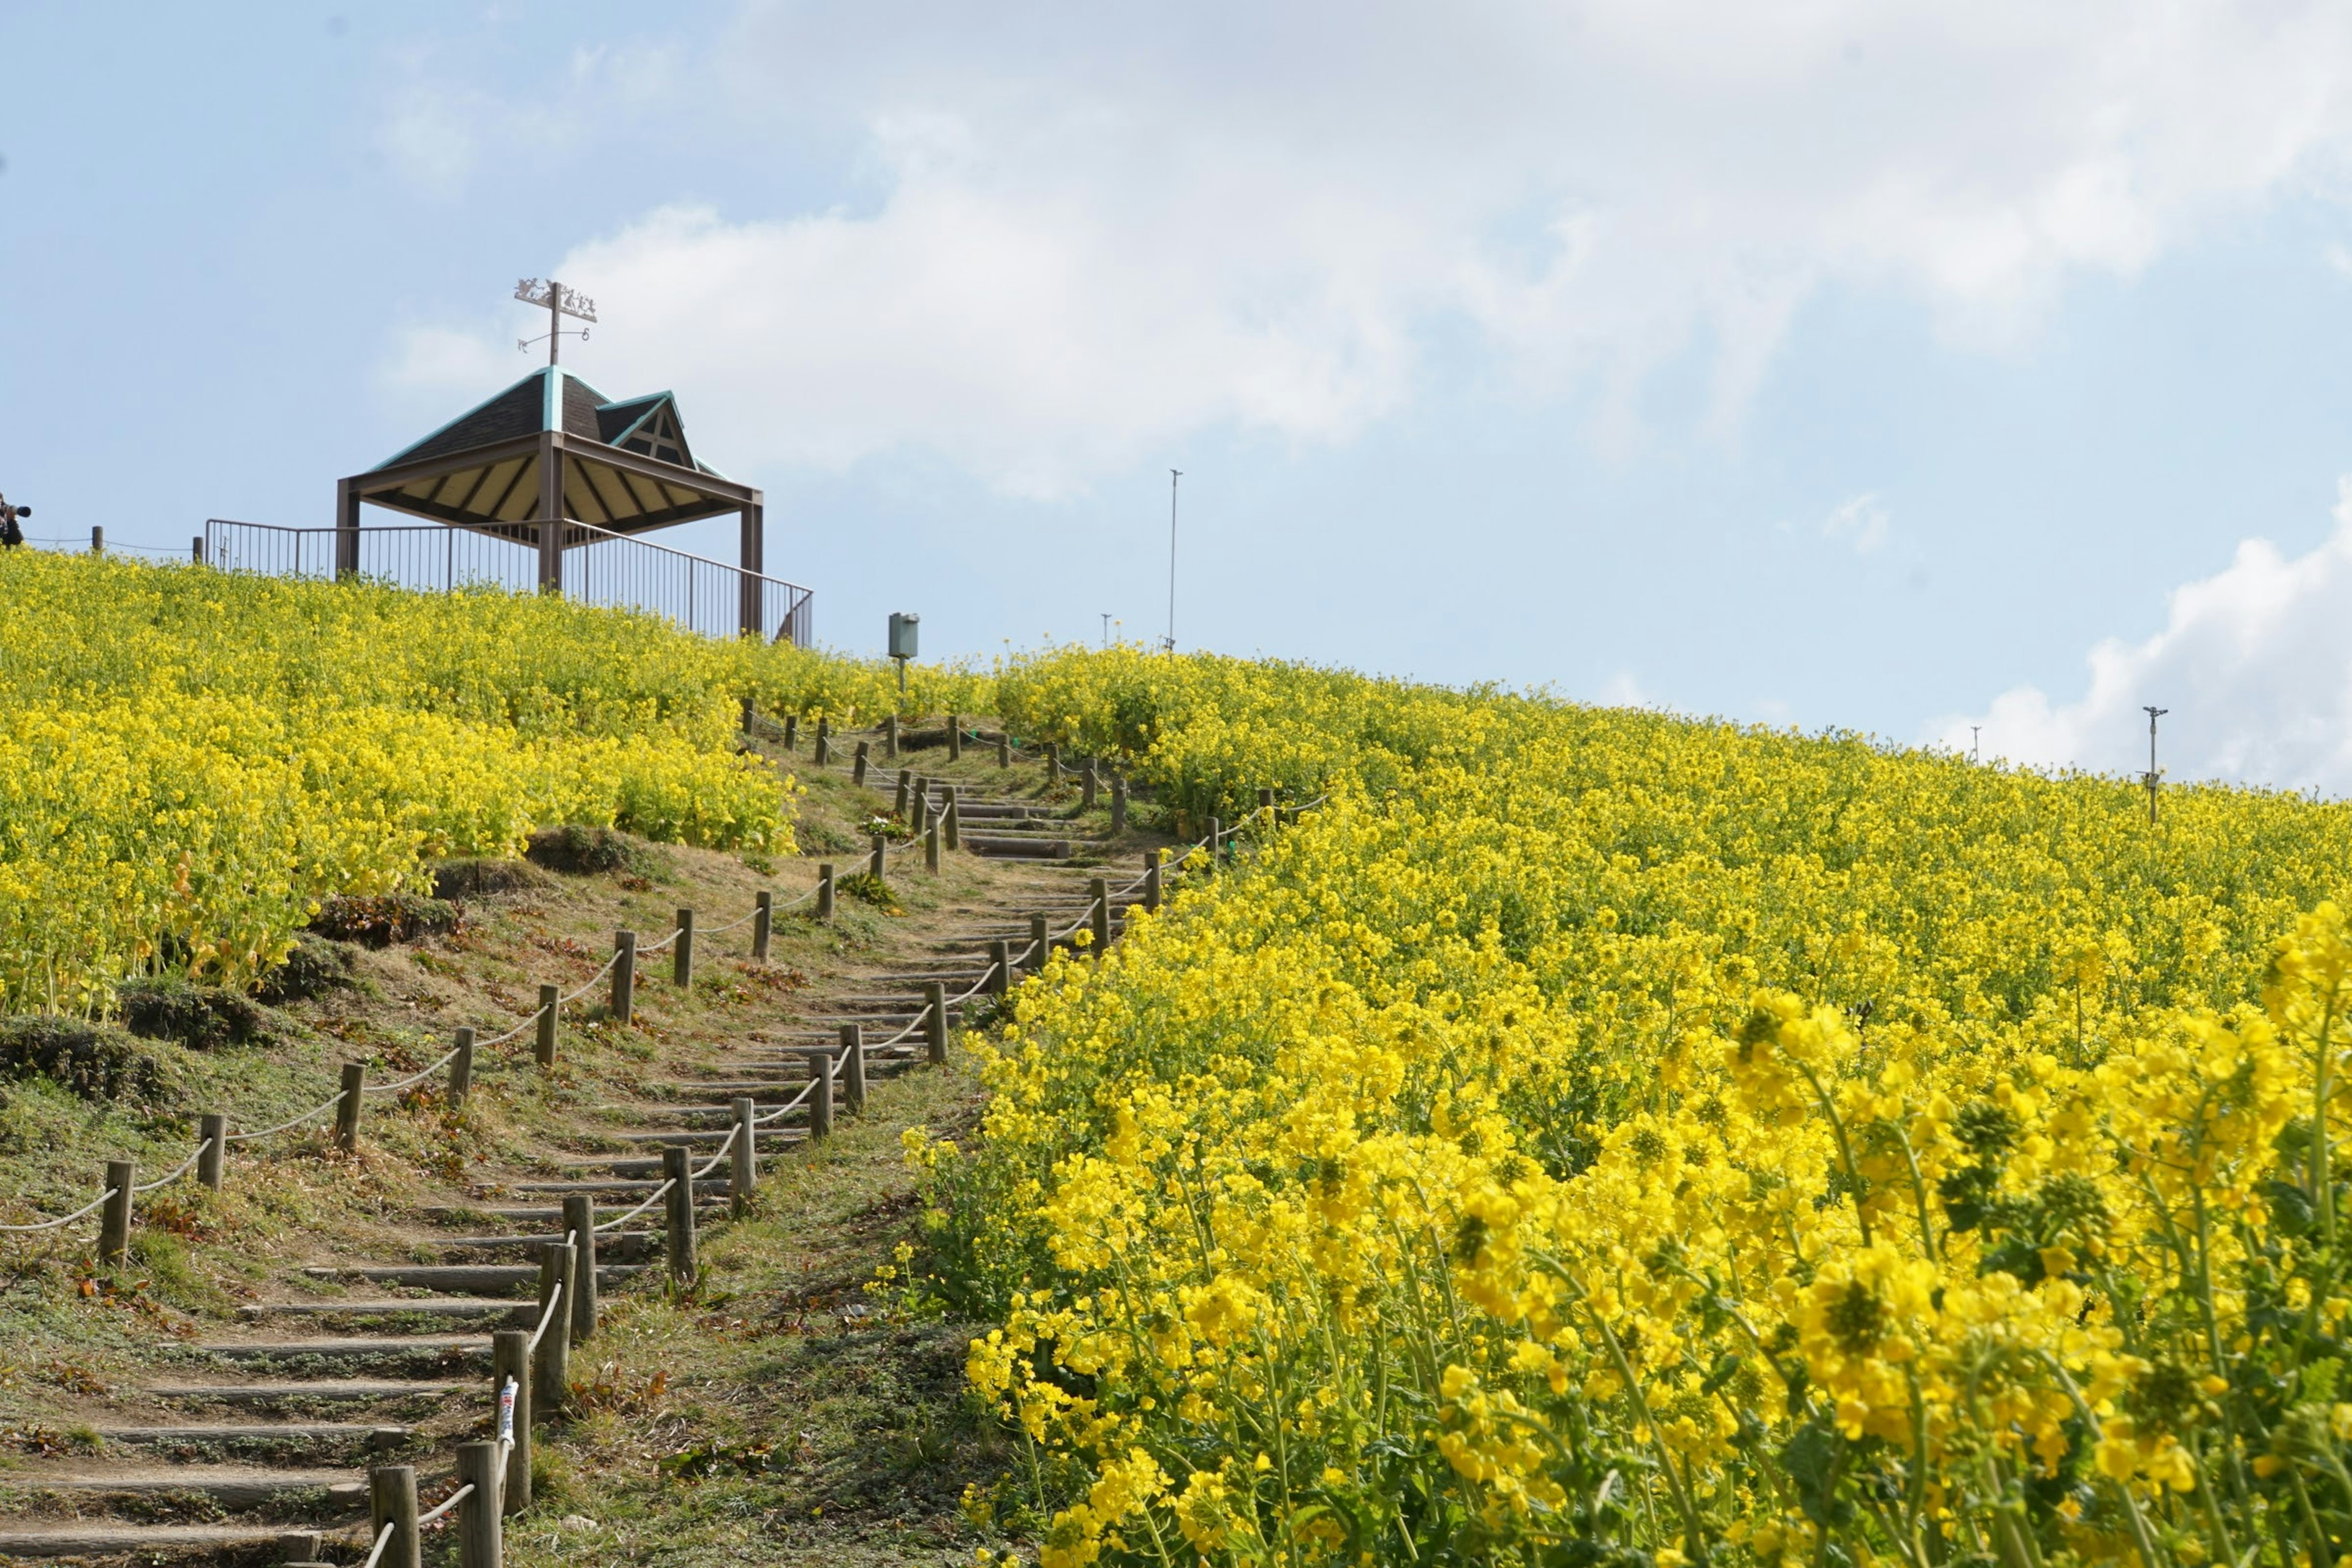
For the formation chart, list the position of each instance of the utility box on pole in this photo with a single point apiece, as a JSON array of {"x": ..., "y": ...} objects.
[{"x": 903, "y": 625}]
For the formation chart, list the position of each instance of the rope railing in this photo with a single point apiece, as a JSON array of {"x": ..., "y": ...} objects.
[
  {"x": 310, "y": 1115},
  {"x": 546, "y": 1316},
  {"x": 383, "y": 1540},
  {"x": 651, "y": 1198},
  {"x": 443, "y": 1509},
  {"x": 92, "y": 1207},
  {"x": 183, "y": 1167},
  {"x": 592, "y": 982},
  {"x": 676, "y": 931},
  {"x": 413, "y": 1079},
  {"x": 713, "y": 1163},
  {"x": 792, "y": 1104}
]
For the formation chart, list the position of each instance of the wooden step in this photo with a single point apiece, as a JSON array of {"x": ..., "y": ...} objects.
[
  {"x": 471, "y": 1279},
  {"x": 140, "y": 1543},
  {"x": 354, "y": 1347},
  {"x": 382, "y": 1437},
  {"x": 230, "y": 1486},
  {"x": 392, "y": 1307},
  {"x": 324, "y": 1391}
]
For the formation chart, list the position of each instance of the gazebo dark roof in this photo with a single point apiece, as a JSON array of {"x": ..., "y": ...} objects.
[
  {"x": 481, "y": 469},
  {"x": 552, "y": 463}
]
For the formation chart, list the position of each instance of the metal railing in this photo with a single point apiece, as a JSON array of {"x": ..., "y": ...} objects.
[{"x": 599, "y": 567}]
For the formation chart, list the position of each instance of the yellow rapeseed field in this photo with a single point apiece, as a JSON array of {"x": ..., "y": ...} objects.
[{"x": 1597, "y": 1137}]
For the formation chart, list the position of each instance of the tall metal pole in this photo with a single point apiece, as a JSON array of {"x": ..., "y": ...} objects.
[
  {"x": 554, "y": 317},
  {"x": 1173, "y": 475},
  {"x": 2153, "y": 715}
]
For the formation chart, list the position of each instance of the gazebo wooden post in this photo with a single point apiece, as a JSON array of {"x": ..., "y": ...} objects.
[
  {"x": 550, "y": 513},
  {"x": 751, "y": 555},
  {"x": 347, "y": 528}
]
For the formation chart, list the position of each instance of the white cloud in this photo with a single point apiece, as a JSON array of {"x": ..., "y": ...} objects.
[
  {"x": 2254, "y": 664},
  {"x": 1081, "y": 234},
  {"x": 1861, "y": 522}
]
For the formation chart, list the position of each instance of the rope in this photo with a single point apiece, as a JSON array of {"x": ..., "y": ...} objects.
[
  {"x": 665, "y": 941},
  {"x": 651, "y": 1198},
  {"x": 442, "y": 1509},
  {"x": 65, "y": 1219},
  {"x": 296, "y": 1122},
  {"x": 806, "y": 1090},
  {"x": 383, "y": 1540},
  {"x": 732, "y": 1133},
  {"x": 591, "y": 986},
  {"x": 730, "y": 925},
  {"x": 546, "y": 1316},
  {"x": 185, "y": 1167},
  {"x": 510, "y": 1034},
  {"x": 986, "y": 976},
  {"x": 418, "y": 1076}
]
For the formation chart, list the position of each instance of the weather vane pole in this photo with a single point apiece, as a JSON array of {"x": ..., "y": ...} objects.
[
  {"x": 560, "y": 302},
  {"x": 1173, "y": 475}
]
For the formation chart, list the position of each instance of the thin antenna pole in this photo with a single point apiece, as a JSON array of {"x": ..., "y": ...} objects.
[
  {"x": 1173, "y": 475},
  {"x": 1975, "y": 743},
  {"x": 554, "y": 319},
  {"x": 2153, "y": 714},
  {"x": 1105, "y": 635}
]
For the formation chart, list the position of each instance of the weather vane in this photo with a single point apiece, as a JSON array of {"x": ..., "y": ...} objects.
[{"x": 560, "y": 302}]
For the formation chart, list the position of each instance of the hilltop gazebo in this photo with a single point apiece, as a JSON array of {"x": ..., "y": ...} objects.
[{"x": 553, "y": 449}]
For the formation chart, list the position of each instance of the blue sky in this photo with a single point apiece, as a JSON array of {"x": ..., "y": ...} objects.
[{"x": 1841, "y": 366}]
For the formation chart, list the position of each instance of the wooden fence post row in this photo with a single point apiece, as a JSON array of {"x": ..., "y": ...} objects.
[
  {"x": 681, "y": 959},
  {"x": 763, "y": 924},
  {"x": 624, "y": 975},
  {"x": 551, "y": 1003},
  {"x": 824, "y": 890}
]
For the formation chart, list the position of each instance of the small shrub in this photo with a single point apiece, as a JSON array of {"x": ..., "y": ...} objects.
[
  {"x": 484, "y": 879},
  {"x": 583, "y": 851},
  {"x": 202, "y": 1017},
  {"x": 314, "y": 968},
  {"x": 867, "y": 888},
  {"x": 92, "y": 1060},
  {"x": 380, "y": 921}
]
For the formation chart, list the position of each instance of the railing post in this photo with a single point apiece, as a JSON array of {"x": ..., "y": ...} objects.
[
  {"x": 999, "y": 966},
  {"x": 1088, "y": 784},
  {"x": 792, "y": 732},
  {"x": 743, "y": 1177},
  {"x": 824, "y": 741},
  {"x": 579, "y": 1222},
  {"x": 878, "y": 864},
  {"x": 114, "y": 1219},
  {"x": 763, "y": 924},
  {"x": 950, "y": 821},
  {"x": 906, "y": 783},
  {"x": 1053, "y": 764},
  {"x": 392, "y": 1500},
  {"x": 347, "y": 1107},
  {"x": 213, "y": 1164},
  {"x": 1004, "y": 750},
  {"x": 681, "y": 954},
  {"x": 1265, "y": 806},
  {"x": 552, "y": 1366},
  {"x": 478, "y": 1531},
  {"x": 858, "y": 765},
  {"x": 677, "y": 1168},
  {"x": 1099, "y": 890},
  {"x": 196, "y": 548},
  {"x": 852, "y": 1067},
  {"x": 461, "y": 1068},
  {"x": 1117, "y": 804},
  {"x": 1151, "y": 881},
  {"x": 820, "y": 1063},
  {"x": 955, "y": 737},
  {"x": 511, "y": 1358},
  {"x": 624, "y": 975},
  {"x": 935, "y": 1022},
  {"x": 1216, "y": 842},
  {"x": 931, "y": 848},
  {"x": 922, "y": 817},
  {"x": 824, "y": 890},
  {"x": 1041, "y": 946},
  {"x": 550, "y": 1004},
  {"x": 890, "y": 736},
  {"x": 97, "y": 542}
]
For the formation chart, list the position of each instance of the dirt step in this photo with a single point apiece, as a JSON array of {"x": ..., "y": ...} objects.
[
  {"x": 333, "y": 1390},
  {"x": 96, "y": 1538},
  {"x": 528, "y": 1215},
  {"x": 375, "y": 1436},
  {"x": 473, "y": 1278},
  {"x": 609, "y": 1244},
  {"x": 394, "y": 1306},
  {"x": 994, "y": 848},
  {"x": 622, "y": 1187},
  {"x": 230, "y": 1486},
  {"x": 354, "y": 1347}
]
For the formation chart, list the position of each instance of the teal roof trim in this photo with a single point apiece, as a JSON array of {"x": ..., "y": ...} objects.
[{"x": 449, "y": 425}]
